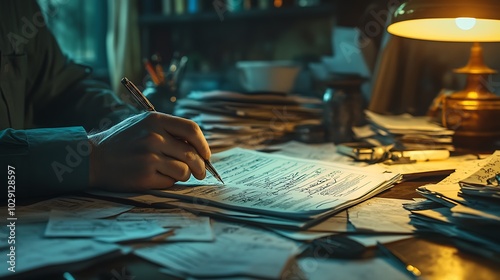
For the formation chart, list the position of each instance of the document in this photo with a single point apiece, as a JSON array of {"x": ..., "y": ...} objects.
[
  {"x": 62, "y": 224},
  {"x": 77, "y": 205},
  {"x": 381, "y": 215},
  {"x": 366, "y": 268},
  {"x": 283, "y": 186},
  {"x": 33, "y": 251},
  {"x": 483, "y": 176},
  {"x": 428, "y": 168},
  {"x": 406, "y": 123},
  {"x": 185, "y": 226},
  {"x": 237, "y": 251},
  {"x": 324, "y": 152}
]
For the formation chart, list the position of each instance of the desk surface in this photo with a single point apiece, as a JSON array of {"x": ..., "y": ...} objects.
[{"x": 436, "y": 256}]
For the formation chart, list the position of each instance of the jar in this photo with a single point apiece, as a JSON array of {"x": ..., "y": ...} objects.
[
  {"x": 162, "y": 98},
  {"x": 343, "y": 108}
]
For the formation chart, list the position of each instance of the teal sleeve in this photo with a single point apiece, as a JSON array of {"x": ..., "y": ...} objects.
[{"x": 47, "y": 162}]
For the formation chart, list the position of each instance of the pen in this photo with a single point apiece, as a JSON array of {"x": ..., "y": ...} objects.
[
  {"x": 144, "y": 102},
  {"x": 412, "y": 270}
]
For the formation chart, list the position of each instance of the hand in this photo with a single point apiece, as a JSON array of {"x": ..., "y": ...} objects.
[{"x": 148, "y": 151}]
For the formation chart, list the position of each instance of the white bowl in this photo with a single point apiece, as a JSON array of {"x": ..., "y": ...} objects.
[{"x": 272, "y": 76}]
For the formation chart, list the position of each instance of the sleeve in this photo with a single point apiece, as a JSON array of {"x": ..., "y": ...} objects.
[
  {"x": 61, "y": 104},
  {"x": 61, "y": 92},
  {"x": 46, "y": 161}
]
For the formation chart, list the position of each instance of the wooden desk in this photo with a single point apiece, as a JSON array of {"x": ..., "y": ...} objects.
[{"x": 435, "y": 256}]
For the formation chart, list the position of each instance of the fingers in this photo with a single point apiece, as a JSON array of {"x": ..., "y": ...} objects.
[
  {"x": 153, "y": 171},
  {"x": 178, "y": 159},
  {"x": 188, "y": 131}
]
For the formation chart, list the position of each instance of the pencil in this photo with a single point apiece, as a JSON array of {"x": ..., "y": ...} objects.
[
  {"x": 152, "y": 72},
  {"x": 410, "y": 269},
  {"x": 144, "y": 102}
]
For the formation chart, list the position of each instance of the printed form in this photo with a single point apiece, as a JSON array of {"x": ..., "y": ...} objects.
[{"x": 280, "y": 185}]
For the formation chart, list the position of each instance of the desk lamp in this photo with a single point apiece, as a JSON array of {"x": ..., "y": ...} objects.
[{"x": 474, "y": 112}]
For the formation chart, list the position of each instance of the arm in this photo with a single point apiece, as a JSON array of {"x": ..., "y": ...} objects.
[
  {"x": 46, "y": 161},
  {"x": 141, "y": 152}
]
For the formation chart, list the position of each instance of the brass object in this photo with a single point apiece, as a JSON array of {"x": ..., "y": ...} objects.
[{"x": 474, "y": 112}]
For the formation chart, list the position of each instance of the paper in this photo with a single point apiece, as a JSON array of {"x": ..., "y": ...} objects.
[
  {"x": 35, "y": 252},
  {"x": 436, "y": 167},
  {"x": 237, "y": 251},
  {"x": 367, "y": 268},
  {"x": 185, "y": 226},
  {"x": 476, "y": 214},
  {"x": 407, "y": 122},
  {"x": 324, "y": 152},
  {"x": 62, "y": 224},
  {"x": 381, "y": 215},
  {"x": 77, "y": 205},
  {"x": 485, "y": 176},
  {"x": 334, "y": 223},
  {"x": 464, "y": 170},
  {"x": 279, "y": 185},
  {"x": 372, "y": 239}
]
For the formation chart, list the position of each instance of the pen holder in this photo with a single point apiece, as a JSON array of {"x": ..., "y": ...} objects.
[
  {"x": 162, "y": 98},
  {"x": 343, "y": 108}
]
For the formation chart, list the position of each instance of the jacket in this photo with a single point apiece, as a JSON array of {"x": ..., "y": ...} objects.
[{"x": 48, "y": 104}]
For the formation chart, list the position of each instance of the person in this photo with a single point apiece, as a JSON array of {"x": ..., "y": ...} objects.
[{"x": 62, "y": 132}]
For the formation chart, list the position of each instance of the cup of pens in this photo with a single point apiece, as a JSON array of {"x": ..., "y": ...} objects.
[{"x": 162, "y": 85}]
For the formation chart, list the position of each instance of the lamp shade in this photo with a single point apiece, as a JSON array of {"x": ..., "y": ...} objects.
[{"x": 448, "y": 20}]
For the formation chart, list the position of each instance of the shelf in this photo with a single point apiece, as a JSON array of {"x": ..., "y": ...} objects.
[{"x": 213, "y": 16}]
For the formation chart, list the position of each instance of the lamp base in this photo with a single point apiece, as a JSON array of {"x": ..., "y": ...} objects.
[{"x": 475, "y": 121}]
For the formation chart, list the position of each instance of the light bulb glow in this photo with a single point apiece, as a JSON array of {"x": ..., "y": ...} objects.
[{"x": 465, "y": 23}]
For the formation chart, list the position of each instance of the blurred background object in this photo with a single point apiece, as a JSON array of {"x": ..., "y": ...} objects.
[{"x": 329, "y": 39}]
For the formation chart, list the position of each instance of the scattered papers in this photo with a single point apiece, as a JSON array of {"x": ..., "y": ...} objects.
[
  {"x": 33, "y": 251},
  {"x": 471, "y": 214},
  {"x": 62, "y": 224},
  {"x": 372, "y": 268},
  {"x": 237, "y": 251},
  {"x": 185, "y": 226},
  {"x": 381, "y": 215},
  {"x": 485, "y": 182}
]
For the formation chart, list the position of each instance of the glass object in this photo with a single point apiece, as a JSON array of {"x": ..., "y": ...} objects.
[
  {"x": 162, "y": 98},
  {"x": 306, "y": 3},
  {"x": 343, "y": 108}
]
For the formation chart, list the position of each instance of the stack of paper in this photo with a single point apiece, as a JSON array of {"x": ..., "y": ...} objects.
[
  {"x": 407, "y": 132},
  {"x": 232, "y": 119},
  {"x": 277, "y": 190},
  {"x": 485, "y": 182},
  {"x": 469, "y": 209}
]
